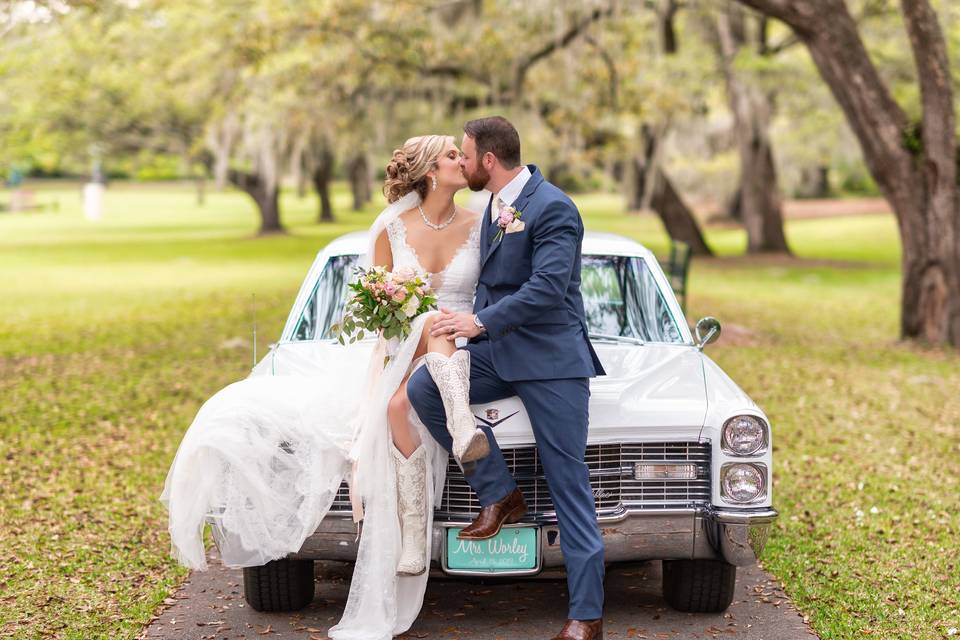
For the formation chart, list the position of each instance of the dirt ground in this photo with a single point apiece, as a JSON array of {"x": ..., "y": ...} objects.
[{"x": 210, "y": 606}]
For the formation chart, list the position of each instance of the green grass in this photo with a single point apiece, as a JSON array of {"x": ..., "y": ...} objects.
[{"x": 112, "y": 334}]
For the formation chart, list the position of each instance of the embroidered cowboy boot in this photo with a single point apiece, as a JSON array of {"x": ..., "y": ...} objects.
[
  {"x": 452, "y": 376},
  {"x": 411, "y": 507}
]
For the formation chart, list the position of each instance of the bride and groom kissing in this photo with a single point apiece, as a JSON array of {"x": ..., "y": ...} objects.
[{"x": 506, "y": 280}]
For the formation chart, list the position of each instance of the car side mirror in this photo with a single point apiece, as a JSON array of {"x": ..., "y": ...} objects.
[{"x": 706, "y": 331}]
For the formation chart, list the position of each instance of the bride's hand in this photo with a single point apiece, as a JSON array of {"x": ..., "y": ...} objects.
[{"x": 454, "y": 325}]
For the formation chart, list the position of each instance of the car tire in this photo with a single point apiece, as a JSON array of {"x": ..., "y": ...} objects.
[
  {"x": 698, "y": 586},
  {"x": 279, "y": 585}
]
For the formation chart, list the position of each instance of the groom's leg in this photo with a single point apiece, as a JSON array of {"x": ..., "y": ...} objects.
[
  {"x": 558, "y": 411},
  {"x": 489, "y": 476}
]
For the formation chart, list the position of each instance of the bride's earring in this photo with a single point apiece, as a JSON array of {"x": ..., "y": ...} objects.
[{"x": 434, "y": 183}]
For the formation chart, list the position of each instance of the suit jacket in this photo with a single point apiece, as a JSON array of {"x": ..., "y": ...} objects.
[{"x": 528, "y": 294}]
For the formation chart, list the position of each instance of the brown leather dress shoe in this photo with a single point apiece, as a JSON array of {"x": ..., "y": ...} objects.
[
  {"x": 486, "y": 525},
  {"x": 581, "y": 630}
]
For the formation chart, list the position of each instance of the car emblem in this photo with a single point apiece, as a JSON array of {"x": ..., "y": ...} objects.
[{"x": 493, "y": 418}]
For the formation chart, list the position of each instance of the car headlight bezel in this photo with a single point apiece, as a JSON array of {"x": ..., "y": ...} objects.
[
  {"x": 727, "y": 441},
  {"x": 733, "y": 467}
]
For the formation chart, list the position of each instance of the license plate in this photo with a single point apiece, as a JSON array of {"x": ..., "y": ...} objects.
[{"x": 512, "y": 549}]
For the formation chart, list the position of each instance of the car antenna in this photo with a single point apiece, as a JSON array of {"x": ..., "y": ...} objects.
[{"x": 254, "y": 329}]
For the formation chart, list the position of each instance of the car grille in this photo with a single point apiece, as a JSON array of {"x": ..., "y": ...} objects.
[{"x": 611, "y": 476}]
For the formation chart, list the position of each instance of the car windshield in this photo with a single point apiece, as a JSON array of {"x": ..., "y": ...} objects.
[
  {"x": 620, "y": 295},
  {"x": 622, "y": 300}
]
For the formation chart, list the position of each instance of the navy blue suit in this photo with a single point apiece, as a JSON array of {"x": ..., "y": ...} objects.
[{"x": 536, "y": 347}]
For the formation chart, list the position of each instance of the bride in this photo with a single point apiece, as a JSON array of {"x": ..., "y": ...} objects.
[{"x": 264, "y": 457}]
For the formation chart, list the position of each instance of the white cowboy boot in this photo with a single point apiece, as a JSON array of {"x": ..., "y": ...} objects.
[
  {"x": 452, "y": 376},
  {"x": 411, "y": 507}
]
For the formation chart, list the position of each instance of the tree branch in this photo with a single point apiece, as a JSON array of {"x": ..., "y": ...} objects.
[
  {"x": 799, "y": 14},
  {"x": 933, "y": 74},
  {"x": 524, "y": 64},
  {"x": 611, "y": 67}
]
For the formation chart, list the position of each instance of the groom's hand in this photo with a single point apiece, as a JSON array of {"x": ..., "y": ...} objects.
[{"x": 454, "y": 325}]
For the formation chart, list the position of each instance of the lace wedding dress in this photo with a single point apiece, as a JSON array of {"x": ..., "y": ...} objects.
[{"x": 264, "y": 458}]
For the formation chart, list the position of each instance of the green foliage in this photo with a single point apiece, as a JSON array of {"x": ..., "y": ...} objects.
[
  {"x": 913, "y": 138},
  {"x": 854, "y": 179}
]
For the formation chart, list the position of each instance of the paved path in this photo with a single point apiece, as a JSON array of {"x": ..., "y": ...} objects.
[{"x": 210, "y": 606}]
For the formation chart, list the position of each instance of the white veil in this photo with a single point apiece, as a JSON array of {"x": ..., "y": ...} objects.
[
  {"x": 265, "y": 500},
  {"x": 388, "y": 215},
  {"x": 382, "y": 604}
]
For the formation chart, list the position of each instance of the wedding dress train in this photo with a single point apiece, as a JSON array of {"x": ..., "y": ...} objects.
[{"x": 264, "y": 458}]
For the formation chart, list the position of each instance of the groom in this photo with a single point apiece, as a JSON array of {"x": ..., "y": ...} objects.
[{"x": 528, "y": 337}]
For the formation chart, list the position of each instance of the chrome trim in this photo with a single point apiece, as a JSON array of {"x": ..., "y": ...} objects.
[
  {"x": 737, "y": 536},
  {"x": 618, "y": 339},
  {"x": 726, "y": 516},
  {"x": 611, "y": 468},
  {"x": 761, "y": 497},
  {"x": 712, "y": 326},
  {"x": 764, "y": 446},
  {"x": 490, "y": 573},
  {"x": 740, "y": 537},
  {"x": 611, "y": 478}
]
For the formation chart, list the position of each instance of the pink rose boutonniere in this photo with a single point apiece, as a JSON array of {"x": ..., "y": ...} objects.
[{"x": 509, "y": 222}]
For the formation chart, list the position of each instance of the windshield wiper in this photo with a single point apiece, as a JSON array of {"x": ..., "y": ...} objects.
[{"x": 608, "y": 338}]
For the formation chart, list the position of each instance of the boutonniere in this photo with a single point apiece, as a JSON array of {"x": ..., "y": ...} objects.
[{"x": 509, "y": 222}]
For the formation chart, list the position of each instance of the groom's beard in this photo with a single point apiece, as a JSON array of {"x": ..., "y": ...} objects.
[{"x": 477, "y": 181}]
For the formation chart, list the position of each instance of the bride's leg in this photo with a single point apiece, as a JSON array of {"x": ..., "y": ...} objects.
[
  {"x": 410, "y": 460},
  {"x": 405, "y": 436}
]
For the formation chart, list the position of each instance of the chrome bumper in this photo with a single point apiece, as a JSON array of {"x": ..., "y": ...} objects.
[{"x": 736, "y": 536}]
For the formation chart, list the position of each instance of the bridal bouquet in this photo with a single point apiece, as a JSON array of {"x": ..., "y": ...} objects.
[{"x": 384, "y": 301}]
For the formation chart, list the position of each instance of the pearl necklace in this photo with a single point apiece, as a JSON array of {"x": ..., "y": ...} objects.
[{"x": 442, "y": 225}]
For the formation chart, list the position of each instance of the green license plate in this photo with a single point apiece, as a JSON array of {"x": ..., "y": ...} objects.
[{"x": 514, "y": 548}]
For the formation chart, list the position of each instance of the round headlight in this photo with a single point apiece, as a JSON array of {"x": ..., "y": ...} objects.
[
  {"x": 744, "y": 435},
  {"x": 742, "y": 482}
]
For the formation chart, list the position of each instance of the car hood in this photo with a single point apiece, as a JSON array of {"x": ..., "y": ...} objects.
[{"x": 651, "y": 392}]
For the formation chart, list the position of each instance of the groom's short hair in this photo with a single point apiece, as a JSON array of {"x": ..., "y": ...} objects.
[{"x": 496, "y": 135}]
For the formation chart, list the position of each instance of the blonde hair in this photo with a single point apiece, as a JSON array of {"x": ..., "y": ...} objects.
[{"x": 407, "y": 170}]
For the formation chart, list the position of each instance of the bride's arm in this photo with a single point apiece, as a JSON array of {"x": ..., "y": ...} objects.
[{"x": 382, "y": 256}]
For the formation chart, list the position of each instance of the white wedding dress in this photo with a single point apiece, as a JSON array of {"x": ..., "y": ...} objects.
[{"x": 264, "y": 458}]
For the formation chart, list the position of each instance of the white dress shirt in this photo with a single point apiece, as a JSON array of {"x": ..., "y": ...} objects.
[{"x": 510, "y": 192}]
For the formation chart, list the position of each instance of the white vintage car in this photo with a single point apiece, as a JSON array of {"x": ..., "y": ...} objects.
[{"x": 679, "y": 456}]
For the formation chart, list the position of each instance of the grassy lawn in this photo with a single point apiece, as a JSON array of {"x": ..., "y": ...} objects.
[{"x": 112, "y": 334}]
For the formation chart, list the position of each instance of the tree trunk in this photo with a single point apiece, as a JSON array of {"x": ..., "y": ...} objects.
[
  {"x": 650, "y": 186},
  {"x": 321, "y": 174},
  {"x": 647, "y": 183},
  {"x": 760, "y": 205},
  {"x": 921, "y": 185},
  {"x": 359, "y": 172},
  {"x": 201, "y": 184},
  {"x": 665, "y": 11},
  {"x": 734, "y": 205},
  {"x": 814, "y": 182},
  {"x": 318, "y": 160},
  {"x": 267, "y": 199},
  {"x": 298, "y": 170}
]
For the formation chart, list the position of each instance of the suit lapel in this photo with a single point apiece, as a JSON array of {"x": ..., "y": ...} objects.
[
  {"x": 536, "y": 179},
  {"x": 487, "y": 224}
]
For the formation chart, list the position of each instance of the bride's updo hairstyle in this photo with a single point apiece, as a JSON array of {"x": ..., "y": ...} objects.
[{"x": 407, "y": 171}]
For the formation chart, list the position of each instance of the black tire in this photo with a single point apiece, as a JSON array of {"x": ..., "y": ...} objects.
[
  {"x": 279, "y": 585},
  {"x": 698, "y": 586}
]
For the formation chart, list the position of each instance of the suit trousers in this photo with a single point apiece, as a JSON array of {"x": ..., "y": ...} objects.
[{"x": 558, "y": 411}]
